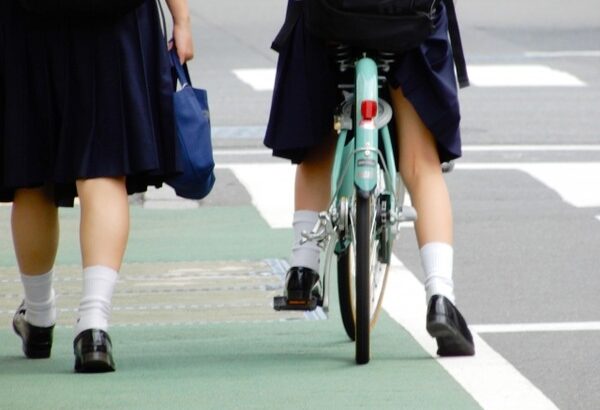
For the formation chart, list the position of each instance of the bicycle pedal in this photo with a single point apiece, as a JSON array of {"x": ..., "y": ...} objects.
[
  {"x": 447, "y": 167},
  {"x": 282, "y": 303},
  {"x": 407, "y": 214}
]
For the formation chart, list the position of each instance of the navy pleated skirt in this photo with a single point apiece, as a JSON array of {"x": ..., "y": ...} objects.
[
  {"x": 83, "y": 99},
  {"x": 305, "y": 93}
]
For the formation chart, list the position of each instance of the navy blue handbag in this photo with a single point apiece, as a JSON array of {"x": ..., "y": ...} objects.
[{"x": 192, "y": 120}]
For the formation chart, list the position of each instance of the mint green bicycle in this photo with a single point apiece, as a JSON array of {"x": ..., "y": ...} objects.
[{"x": 367, "y": 201}]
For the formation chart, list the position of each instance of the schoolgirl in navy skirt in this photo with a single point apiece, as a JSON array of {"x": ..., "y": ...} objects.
[
  {"x": 305, "y": 93},
  {"x": 423, "y": 93},
  {"x": 84, "y": 99},
  {"x": 85, "y": 111}
]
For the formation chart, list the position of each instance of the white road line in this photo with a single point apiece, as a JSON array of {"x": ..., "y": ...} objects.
[
  {"x": 271, "y": 187},
  {"x": 484, "y": 75},
  {"x": 521, "y": 75},
  {"x": 537, "y": 327},
  {"x": 489, "y": 378},
  {"x": 189, "y": 323},
  {"x": 465, "y": 148},
  {"x": 575, "y": 182},
  {"x": 260, "y": 79},
  {"x": 563, "y": 53},
  {"x": 242, "y": 152},
  {"x": 165, "y": 307},
  {"x": 238, "y": 132},
  {"x": 535, "y": 148}
]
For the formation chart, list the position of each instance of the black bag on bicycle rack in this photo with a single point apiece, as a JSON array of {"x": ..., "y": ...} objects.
[{"x": 381, "y": 25}]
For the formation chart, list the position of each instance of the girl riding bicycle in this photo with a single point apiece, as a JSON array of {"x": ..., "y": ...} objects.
[{"x": 423, "y": 94}]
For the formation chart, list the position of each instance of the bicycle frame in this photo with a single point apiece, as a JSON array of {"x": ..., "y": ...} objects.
[
  {"x": 365, "y": 210},
  {"x": 356, "y": 163}
]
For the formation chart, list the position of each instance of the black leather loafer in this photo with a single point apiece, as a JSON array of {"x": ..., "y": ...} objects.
[
  {"x": 302, "y": 290},
  {"x": 93, "y": 352},
  {"x": 37, "y": 341},
  {"x": 446, "y": 324},
  {"x": 302, "y": 284}
]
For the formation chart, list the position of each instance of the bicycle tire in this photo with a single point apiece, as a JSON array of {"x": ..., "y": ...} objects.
[
  {"x": 345, "y": 269},
  {"x": 362, "y": 279}
]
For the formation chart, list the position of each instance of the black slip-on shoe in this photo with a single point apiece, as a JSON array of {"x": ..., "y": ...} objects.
[
  {"x": 37, "y": 341},
  {"x": 447, "y": 325},
  {"x": 302, "y": 290},
  {"x": 302, "y": 284},
  {"x": 93, "y": 352}
]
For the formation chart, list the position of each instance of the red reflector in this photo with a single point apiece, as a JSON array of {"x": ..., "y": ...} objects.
[{"x": 368, "y": 109}]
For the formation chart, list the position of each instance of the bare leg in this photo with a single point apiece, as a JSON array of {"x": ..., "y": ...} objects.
[
  {"x": 312, "y": 194},
  {"x": 104, "y": 228},
  {"x": 35, "y": 230},
  {"x": 422, "y": 174},
  {"x": 104, "y": 231},
  {"x": 313, "y": 178}
]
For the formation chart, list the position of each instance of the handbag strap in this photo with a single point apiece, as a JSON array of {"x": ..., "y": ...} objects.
[
  {"x": 183, "y": 74},
  {"x": 181, "y": 70}
]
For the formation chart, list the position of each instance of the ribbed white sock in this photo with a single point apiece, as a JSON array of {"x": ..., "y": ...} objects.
[
  {"x": 307, "y": 254},
  {"x": 95, "y": 305},
  {"x": 437, "y": 260},
  {"x": 40, "y": 301}
]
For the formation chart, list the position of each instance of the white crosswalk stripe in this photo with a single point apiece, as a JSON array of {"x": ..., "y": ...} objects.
[
  {"x": 274, "y": 200},
  {"x": 493, "y": 75}
]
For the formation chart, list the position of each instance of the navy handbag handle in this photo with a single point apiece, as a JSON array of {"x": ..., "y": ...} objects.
[{"x": 183, "y": 75}]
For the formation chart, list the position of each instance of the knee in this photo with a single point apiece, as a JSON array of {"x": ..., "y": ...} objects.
[
  {"x": 319, "y": 157},
  {"x": 418, "y": 171},
  {"x": 40, "y": 196}
]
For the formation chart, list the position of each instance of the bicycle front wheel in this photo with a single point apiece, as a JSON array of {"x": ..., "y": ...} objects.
[
  {"x": 362, "y": 274},
  {"x": 345, "y": 268},
  {"x": 362, "y": 279}
]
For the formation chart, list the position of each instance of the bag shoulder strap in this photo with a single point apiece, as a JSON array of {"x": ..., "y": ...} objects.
[
  {"x": 181, "y": 70},
  {"x": 457, "y": 49}
]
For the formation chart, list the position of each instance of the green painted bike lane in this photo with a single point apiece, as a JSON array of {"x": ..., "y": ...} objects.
[{"x": 295, "y": 364}]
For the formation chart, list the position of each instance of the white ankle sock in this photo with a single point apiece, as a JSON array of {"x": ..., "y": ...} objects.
[
  {"x": 95, "y": 305},
  {"x": 437, "y": 260},
  {"x": 40, "y": 302},
  {"x": 307, "y": 254}
]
